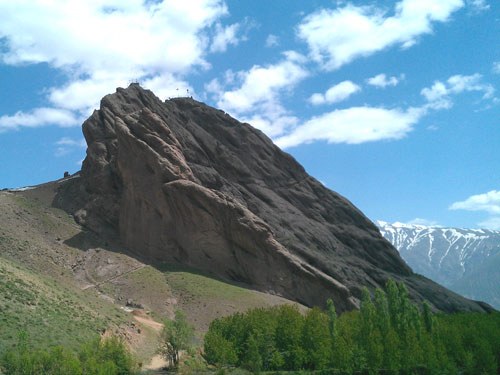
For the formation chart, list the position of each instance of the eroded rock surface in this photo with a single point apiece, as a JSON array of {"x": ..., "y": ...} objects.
[{"x": 182, "y": 182}]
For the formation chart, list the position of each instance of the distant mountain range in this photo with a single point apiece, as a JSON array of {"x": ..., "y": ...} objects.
[{"x": 465, "y": 260}]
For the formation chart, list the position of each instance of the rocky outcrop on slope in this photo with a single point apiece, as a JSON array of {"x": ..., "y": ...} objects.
[{"x": 182, "y": 182}]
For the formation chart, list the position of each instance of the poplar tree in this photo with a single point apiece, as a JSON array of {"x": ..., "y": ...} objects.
[
  {"x": 332, "y": 319},
  {"x": 428, "y": 318},
  {"x": 382, "y": 308}
]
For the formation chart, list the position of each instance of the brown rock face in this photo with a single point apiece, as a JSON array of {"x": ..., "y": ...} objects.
[{"x": 182, "y": 182}]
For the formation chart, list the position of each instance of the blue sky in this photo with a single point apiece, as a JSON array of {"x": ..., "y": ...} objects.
[{"x": 393, "y": 104}]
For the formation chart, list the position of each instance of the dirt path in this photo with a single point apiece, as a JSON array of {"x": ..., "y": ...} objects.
[
  {"x": 147, "y": 321},
  {"x": 111, "y": 278},
  {"x": 157, "y": 362}
]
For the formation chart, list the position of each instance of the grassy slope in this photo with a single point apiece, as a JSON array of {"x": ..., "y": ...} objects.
[
  {"x": 63, "y": 285},
  {"x": 51, "y": 313},
  {"x": 38, "y": 292}
]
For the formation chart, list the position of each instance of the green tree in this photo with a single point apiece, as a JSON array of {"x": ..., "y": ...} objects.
[
  {"x": 288, "y": 337},
  {"x": 393, "y": 304},
  {"x": 370, "y": 339},
  {"x": 98, "y": 357},
  {"x": 332, "y": 318},
  {"x": 218, "y": 350},
  {"x": 252, "y": 360},
  {"x": 177, "y": 335},
  {"x": 392, "y": 354},
  {"x": 113, "y": 350},
  {"x": 427, "y": 317},
  {"x": 106, "y": 356},
  {"x": 382, "y": 311},
  {"x": 316, "y": 340}
]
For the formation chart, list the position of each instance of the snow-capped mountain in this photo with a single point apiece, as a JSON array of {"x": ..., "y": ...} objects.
[{"x": 464, "y": 260}]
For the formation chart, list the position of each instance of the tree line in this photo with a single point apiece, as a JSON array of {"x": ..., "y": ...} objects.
[{"x": 389, "y": 335}]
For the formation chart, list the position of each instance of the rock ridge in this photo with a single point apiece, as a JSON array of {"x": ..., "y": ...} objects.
[{"x": 179, "y": 181}]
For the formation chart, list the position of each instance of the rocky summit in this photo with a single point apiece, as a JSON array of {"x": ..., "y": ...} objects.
[{"x": 181, "y": 182}]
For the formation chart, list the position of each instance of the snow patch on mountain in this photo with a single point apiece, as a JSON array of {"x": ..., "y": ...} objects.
[{"x": 454, "y": 257}]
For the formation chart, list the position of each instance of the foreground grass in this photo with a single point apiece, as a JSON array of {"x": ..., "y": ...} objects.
[{"x": 51, "y": 313}]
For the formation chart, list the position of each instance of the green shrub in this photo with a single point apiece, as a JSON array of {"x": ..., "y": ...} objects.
[{"x": 99, "y": 357}]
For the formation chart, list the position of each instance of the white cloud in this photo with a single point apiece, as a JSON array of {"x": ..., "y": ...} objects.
[
  {"x": 382, "y": 81},
  {"x": 336, "y": 37},
  {"x": 336, "y": 93},
  {"x": 224, "y": 37},
  {"x": 496, "y": 67},
  {"x": 39, "y": 117},
  {"x": 478, "y": 5},
  {"x": 102, "y": 44},
  {"x": 438, "y": 95},
  {"x": 272, "y": 41},
  {"x": 254, "y": 96},
  {"x": 135, "y": 35},
  {"x": 262, "y": 84},
  {"x": 487, "y": 202},
  {"x": 424, "y": 222},
  {"x": 168, "y": 86},
  {"x": 272, "y": 122},
  {"x": 66, "y": 141},
  {"x": 353, "y": 126},
  {"x": 65, "y": 145},
  {"x": 491, "y": 223}
]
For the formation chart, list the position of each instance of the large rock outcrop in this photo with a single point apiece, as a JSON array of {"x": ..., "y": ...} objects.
[{"x": 182, "y": 182}]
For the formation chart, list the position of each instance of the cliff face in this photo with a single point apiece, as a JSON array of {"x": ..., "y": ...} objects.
[{"x": 182, "y": 182}]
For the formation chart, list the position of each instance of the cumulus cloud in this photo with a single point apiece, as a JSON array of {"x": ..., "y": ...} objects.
[
  {"x": 353, "y": 126},
  {"x": 478, "y": 5},
  {"x": 272, "y": 41},
  {"x": 66, "y": 145},
  {"x": 224, "y": 37},
  {"x": 272, "y": 121},
  {"x": 487, "y": 202},
  {"x": 496, "y": 67},
  {"x": 254, "y": 95},
  {"x": 335, "y": 94},
  {"x": 491, "y": 223},
  {"x": 103, "y": 44},
  {"x": 338, "y": 36},
  {"x": 262, "y": 84},
  {"x": 438, "y": 95},
  {"x": 38, "y": 117},
  {"x": 382, "y": 81},
  {"x": 424, "y": 222}
]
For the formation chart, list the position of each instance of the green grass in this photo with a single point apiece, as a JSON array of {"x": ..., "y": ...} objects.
[
  {"x": 49, "y": 312},
  {"x": 190, "y": 281},
  {"x": 204, "y": 298}
]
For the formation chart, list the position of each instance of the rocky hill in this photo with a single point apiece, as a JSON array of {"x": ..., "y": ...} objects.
[
  {"x": 464, "y": 260},
  {"x": 184, "y": 183}
]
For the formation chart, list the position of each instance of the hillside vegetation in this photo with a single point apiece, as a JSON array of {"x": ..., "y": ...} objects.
[{"x": 63, "y": 285}]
